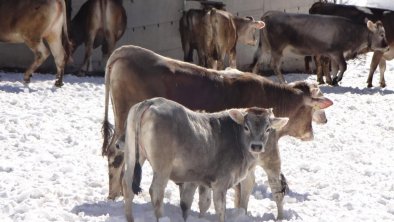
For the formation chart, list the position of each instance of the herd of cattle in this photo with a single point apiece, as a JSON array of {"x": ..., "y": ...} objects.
[{"x": 214, "y": 149}]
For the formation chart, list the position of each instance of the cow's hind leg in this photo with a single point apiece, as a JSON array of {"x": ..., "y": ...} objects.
[
  {"x": 56, "y": 46},
  {"x": 156, "y": 191},
  {"x": 41, "y": 53},
  {"x": 187, "y": 191},
  {"x": 243, "y": 190}
]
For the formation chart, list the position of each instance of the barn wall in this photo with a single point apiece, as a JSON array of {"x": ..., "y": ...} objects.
[{"x": 153, "y": 24}]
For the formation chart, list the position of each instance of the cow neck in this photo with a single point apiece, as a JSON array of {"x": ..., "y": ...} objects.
[
  {"x": 369, "y": 39},
  {"x": 284, "y": 99}
]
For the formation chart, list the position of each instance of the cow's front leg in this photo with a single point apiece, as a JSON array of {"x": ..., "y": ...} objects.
[
  {"x": 340, "y": 61},
  {"x": 275, "y": 65},
  {"x": 319, "y": 70},
  {"x": 243, "y": 190},
  {"x": 204, "y": 199},
  {"x": 186, "y": 191},
  {"x": 376, "y": 58},
  {"x": 219, "y": 200},
  {"x": 382, "y": 69},
  {"x": 278, "y": 187}
]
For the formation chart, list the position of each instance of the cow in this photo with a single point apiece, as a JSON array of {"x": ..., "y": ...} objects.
[
  {"x": 214, "y": 149},
  {"x": 244, "y": 189},
  {"x": 358, "y": 14},
  {"x": 214, "y": 34},
  {"x": 306, "y": 34},
  {"x": 134, "y": 74},
  {"x": 41, "y": 25},
  {"x": 98, "y": 23}
]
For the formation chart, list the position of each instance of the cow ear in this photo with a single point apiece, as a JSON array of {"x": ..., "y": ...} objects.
[
  {"x": 237, "y": 116},
  {"x": 259, "y": 24},
  {"x": 371, "y": 26},
  {"x": 279, "y": 123},
  {"x": 319, "y": 103}
]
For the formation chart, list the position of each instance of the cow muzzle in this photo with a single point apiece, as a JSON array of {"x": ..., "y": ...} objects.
[{"x": 256, "y": 147}]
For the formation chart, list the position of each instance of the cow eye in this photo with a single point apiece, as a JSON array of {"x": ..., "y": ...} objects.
[
  {"x": 246, "y": 128},
  {"x": 269, "y": 129}
]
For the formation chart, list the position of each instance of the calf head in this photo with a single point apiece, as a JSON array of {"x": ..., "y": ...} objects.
[
  {"x": 377, "y": 36},
  {"x": 116, "y": 168},
  {"x": 312, "y": 109},
  {"x": 246, "y": 30},
  {"x": 256, "y": 123}
]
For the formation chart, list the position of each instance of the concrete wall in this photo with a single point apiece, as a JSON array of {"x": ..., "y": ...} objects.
[{"x": 153, "y": 24}]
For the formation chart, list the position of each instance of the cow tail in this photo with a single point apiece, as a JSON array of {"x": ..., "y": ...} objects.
[
  {"x": 137, "y": 176},
  {"x": 107, "y": 129},
  {"x": 65, "y": 39},
  {"x": 259, "y": 51}
]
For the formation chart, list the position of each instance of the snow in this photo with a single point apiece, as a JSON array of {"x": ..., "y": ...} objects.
[
  {"x": 383, "y": 4},
  {"x": 51, "y": 168}
]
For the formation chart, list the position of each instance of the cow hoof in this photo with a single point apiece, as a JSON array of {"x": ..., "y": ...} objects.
[
  {"x": 321, "y": 82},
  {"x": 335, "y": 81},
  {"x": 382, "y": 84},
  {"x": 58, "y": 83},
  {"x": 369, "y": 85},
  {"x": 26, "y": 81}
]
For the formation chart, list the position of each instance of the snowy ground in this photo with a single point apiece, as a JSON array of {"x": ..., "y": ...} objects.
[{"x": 51, "y": 168}]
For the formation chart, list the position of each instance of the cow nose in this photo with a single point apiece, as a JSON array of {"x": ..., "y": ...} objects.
[{"x": 256, "y": 147}]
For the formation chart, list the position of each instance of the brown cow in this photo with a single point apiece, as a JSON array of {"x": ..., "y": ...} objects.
[
  {"x": 98, "y": 23},
  {"x": 214, "y": 34},
  {"x": 134, "y": 74},
  {"x": 35, "y": 22}
]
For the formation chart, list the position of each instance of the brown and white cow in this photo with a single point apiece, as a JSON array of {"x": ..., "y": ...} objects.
[
  {"x": 358, "y": 14},
  {"x": 35, "y": 22},
  {"x": 134, "y": 74},
  {"x": 98, "y": 23},
  {"x": 214, "y": 149},
  {"x": 306, "y": 34},
  {"x": 214, "y": 34}
]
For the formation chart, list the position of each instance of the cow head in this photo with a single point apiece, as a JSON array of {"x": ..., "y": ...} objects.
[
  {"x": 256, "y": 123},
  {"x": 300, "y": 121},
  {"x": 246, "y": 30},
  {"x": 376, "y": 37},
  {"x": 116, "y": 168}
]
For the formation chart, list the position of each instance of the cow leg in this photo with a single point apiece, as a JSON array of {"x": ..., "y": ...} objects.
[
  {"x": 56, "y": 46},
  {"x": 128, "y": 198},
  {"x": 219, "y": 200},
  {"x": 319, "y": 70},
  {"x": 204, "y": 199},
  {"x": 376, "y": 58},
  {"x": 341, "y": 62},
  {"x": 325, "y": 68},
  {"x": 382, "y": 69},
  {"x": 41, "y": 53},
  {"x": 88, "y": 52},
  {"x": 243, "y": 190},
  {"x": 187, "y": 191},
  {"x": 110, "y": 43},
  {"x": 156, "y": 191},
  {"x": 275, "y": 65},
  {"x": 277, "y": 184},
  {"x": 233, "y": 58}
]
